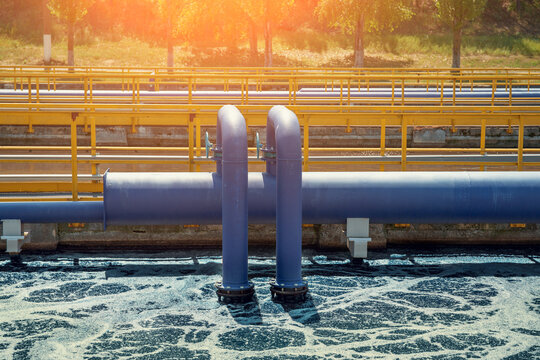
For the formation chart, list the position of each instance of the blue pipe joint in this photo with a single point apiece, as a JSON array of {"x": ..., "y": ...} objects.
[
  {"x": 234, "y": 294},
  {"x": 289, "y": 292}
]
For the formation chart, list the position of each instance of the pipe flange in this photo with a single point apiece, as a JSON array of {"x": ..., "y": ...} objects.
[
  {"x": 234, "y": 295},
  {"x": 288, "y": 294}
]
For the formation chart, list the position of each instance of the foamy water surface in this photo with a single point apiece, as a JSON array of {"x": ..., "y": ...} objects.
[{"x": 403, "y": 306}]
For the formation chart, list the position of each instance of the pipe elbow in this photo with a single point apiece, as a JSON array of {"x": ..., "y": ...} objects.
[
  {"x": 232, "y": 134},
  {"x": 284, "y": 126}
]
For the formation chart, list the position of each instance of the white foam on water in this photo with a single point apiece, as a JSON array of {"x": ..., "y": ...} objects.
[{"x": 168, "y": 309}]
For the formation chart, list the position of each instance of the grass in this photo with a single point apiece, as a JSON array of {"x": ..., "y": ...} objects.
[{"x": 299, "y": 48}]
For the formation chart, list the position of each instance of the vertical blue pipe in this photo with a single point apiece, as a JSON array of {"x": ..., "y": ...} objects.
[
  {"x": 283, "y": 135},
  {"x": 233, "y": 167}
]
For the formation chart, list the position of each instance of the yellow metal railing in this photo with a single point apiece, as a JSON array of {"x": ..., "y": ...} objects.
[
  {"x": 32, "y": 86},
  {"x": 195, "y": 117}
]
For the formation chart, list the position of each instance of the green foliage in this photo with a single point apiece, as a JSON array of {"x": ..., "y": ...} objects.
[
  {"x": 458, "y": 12},
  {"x": 379, "y": 15},
  {"x": 226, "y": 22},
  {"x": 69, "y": 11}
]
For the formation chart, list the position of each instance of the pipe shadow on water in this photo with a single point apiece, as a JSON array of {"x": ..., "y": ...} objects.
[
  {"x": 304, "y": 312},
  {"x": 246, "y": 313}
]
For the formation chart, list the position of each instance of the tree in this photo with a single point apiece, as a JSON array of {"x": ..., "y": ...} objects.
[
  {"x": 170, "y": 11},
  {"x": 69, "y": 12},
  {"x": 274, "y": 11},
  {"x": 226, "y": 22},
  {"x": 457, "y": 13},
  {"x": 358, "y": 16}
]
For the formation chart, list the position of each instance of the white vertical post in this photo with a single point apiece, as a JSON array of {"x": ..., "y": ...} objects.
[
  {"x": 358, "y": 237},
  {"x": 47, "y": 47}
]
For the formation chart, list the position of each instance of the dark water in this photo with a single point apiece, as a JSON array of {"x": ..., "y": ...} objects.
[{"x": 409, "y": 306}]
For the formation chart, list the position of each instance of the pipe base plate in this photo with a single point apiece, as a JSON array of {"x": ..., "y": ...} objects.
[
  {"x": 286, "y": 295},
  {"x": 234, "y": 296}
]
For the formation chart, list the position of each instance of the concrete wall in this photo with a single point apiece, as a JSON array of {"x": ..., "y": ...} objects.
[{"x": 87, "y": 237}]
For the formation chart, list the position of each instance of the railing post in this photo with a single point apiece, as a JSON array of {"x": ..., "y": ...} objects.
[
  {"x": 290, "y": 91},
  {"x": 403, "y": 143},
  {"x": 85, "y": 87},
  {"x": 74, "y": 171},
  {"x": 133, "y": 90},
  {"x": 349, "y": 91},
  {"x": 37, "y": 90},
  {"x": 246, "y": 101},
  {"x": 510, "y": 92},
  {"x": 91, "y": 90},
  {"x": 190, "y": 141},
  {"x": 306, "y": 143},
  {"x": 198, "y": 140},
  {"x": 483, "y": 141},
  {"x": 520, "y": 143},
  {"x": 454, "y": 92},
  {"x": 340, "y": 92},
  {"x": 29, "y": 89},
  {"x": 402, "y": 91},
  {"x": 190, "y": 89},
  {"x": 241, "y": 91},
  {"x": 493, "y": 90},
  {"x": 93, "y": 143},
  {"x": 442, "y": 92},
  {"x": 383, "y": 140},
  {"x": 393, "y": 89}
]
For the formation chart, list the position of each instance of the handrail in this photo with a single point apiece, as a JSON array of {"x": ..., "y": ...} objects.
[{"x": 35, "y": 84}]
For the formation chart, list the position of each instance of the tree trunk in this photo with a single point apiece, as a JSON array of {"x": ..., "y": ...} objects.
[
  {"x": 252, "y": 40},
  {"x": 170, "y": 49},
  {"x": 456, "y": 49},
  {"x": 268, "y": 45},
  {"x": 359, "y": 42},
  {"x": 71, "y": 56},
  {"x": 267, "y": 38}
]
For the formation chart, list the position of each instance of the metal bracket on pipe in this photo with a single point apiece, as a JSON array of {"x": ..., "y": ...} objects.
[
  {"x": 268, "y": 154},
  {"x": 208, "y": 144},
  {"x": 358, "y": 237},
  {"x": 218, "y": 152},
  {"x": 14, "y": 236},
  {"x": 259, "y": 145}
]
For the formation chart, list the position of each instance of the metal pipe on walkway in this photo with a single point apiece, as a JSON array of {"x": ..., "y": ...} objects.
[
  {"x": 283, "y": 157},
  {"x": 230, "y": 153}
]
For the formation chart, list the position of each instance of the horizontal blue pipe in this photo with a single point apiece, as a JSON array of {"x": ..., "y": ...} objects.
[
  {"x": 53, "y": 211},
  {"x": 195, "y": 198},
  {"x": 331, "y": 198}
]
